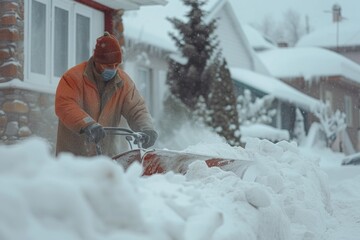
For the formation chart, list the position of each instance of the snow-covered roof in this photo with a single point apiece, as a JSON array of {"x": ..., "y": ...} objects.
[
  {"x": 140, "y": 34},
  {"x": 345, "y": 33},
  {"x": 146, "y": 26},
  {"x": 274, "y": 87},
  {"x": 152, "y": 21},
  {"x": 309, "y": 62},
  {"x": 130, "y": 4},
  {"x": 154, "y": 29},
  {"x": 256, "y": 39}
]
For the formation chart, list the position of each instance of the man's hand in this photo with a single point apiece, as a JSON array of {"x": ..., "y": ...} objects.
[
  {"x": 149, "y": 138},
  {"x": 94, "y": 132}
]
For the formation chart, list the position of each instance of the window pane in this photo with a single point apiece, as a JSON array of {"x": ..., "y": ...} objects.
[
  {"x": 329, "y": 99},
  {"x": 38, "y": 37},
  {"x": 61, "y": 36},
  {"x": 82, "y": 38},
  {"x": 348, "y": 110},
  {"x": 143, "y": 82}
]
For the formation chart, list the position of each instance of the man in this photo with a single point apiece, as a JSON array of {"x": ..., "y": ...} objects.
[{"x": 95, "y": 94}]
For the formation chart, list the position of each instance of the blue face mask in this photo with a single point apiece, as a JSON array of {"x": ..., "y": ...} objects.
[{"x": 108, "y": 74}]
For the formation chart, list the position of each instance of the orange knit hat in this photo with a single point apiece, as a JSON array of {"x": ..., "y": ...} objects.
[{"x": 107, "y": 50}]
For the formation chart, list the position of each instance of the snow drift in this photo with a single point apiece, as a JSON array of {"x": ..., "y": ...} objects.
[{"x": 282, "y": 196}]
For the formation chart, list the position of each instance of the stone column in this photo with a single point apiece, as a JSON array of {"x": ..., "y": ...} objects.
[{"x": 11, "y": 39}]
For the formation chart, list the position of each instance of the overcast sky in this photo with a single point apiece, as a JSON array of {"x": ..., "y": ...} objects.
[
  {"x": 318, "y": 11},
  {"x": 319, "y": 14}
]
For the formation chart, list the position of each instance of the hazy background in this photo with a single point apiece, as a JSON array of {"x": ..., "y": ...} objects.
[
  {"x": 271, "y": 17},
  {"x": 318, "y": 11}
]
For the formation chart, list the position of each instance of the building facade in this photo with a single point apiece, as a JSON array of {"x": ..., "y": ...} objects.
[{"x": 39, "y": 41}]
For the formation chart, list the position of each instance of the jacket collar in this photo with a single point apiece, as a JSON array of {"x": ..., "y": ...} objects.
[{"x": 91, "y": 74}]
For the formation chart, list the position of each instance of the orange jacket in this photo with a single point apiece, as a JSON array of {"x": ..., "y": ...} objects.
[{"x": 78, "y": 104}]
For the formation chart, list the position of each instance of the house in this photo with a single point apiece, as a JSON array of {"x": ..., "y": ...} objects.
[
  {"x": 324, "y": 75},
  {"x": 324, "y": 66},
  {"x": 148, "y": 45},
  {"x": 341, "y": 36},
  {"x": 42, "y": 38},
  {"x": 287, "y": 98},
  {"x": 257, "y": 41},
  {"x": 235, "y": 45},
  {"x": 39, "y": 40},
  {"x": 145, "y": 59}
]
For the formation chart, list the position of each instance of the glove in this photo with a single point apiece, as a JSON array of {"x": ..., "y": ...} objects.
[
  {"x": 94, "y": 132},
  {"x": 149, "y": 138}
]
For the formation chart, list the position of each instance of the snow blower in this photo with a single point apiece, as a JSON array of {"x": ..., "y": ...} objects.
[{"x": 162, "y": 161}]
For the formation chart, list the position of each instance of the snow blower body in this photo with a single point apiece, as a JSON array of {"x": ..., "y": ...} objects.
[{"x": 161, "y": 161}]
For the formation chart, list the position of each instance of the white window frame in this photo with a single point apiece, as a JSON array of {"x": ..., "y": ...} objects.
[
  {"x": 36, "y": 77},
  {"x": 65, "y": 6},
  {"x": 96, "y": 29},
  {"x": 146, "y": 92},
  {"x": 87, "y": 13}
]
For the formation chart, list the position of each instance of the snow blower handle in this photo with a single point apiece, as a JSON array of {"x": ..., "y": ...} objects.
[{"x": 137, "y": 138}]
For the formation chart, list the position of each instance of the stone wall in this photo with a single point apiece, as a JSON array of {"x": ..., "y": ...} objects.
[
  {"x": 25, "y": 113},
  {"x": 118, "y": 27}
]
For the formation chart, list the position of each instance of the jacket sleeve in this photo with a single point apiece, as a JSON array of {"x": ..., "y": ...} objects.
[
  {"x": 68, "y": 105},
  {"x": 135, "y": 110}
]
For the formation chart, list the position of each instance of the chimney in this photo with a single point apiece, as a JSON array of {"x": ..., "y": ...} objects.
[{"x": 336, "y": 13}]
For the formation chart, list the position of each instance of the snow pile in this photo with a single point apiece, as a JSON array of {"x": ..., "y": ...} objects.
[{"x": 282, "y": 196}]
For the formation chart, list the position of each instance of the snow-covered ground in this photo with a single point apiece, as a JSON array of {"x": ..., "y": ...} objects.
[
  {"x": 288, "y": 193},
  {"x": 343, "y": 182}
]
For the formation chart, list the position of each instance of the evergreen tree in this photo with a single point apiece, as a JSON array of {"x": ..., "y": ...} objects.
[
  {"x": 223, "y": 115},
  {"x": 197, "y": 44},
  {"x": 200, "y": 80}
]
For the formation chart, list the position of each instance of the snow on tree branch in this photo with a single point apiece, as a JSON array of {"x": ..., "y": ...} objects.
[
  {"x": 257, "y": 111},
  {"x": 331, "y": 123}
]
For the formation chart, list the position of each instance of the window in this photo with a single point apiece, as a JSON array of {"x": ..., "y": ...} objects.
[
  {"x": 144, "y": 85},
  {"x": 61, "y": 35},
  {"x": 82, "y": 38},
  {"x": 348, "y": 110},
  {"x": 38, "y": 40},
  {"x": 328, "y": 98},
  {"x": 61, "y": 41}
]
